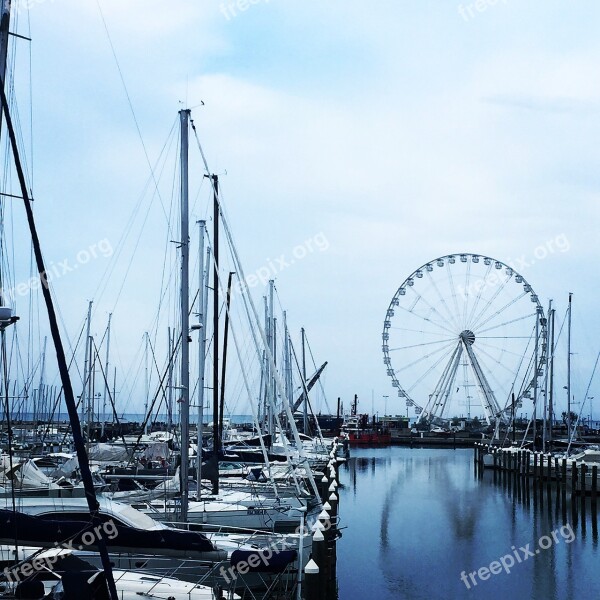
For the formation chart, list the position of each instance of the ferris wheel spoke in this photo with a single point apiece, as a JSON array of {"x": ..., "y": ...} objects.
[
  {"x": 482, "y": 280},
  {"x": 501, "y": 310},
  {"x": 466, "y": 293},
  {"x": 425, "y": 357},
  {"x": 501, "y": 348},
  {"x": 451, "y": 317},
  {"x": 419, "y": 331},
  {"x": 410, "y": 312},
  {"x": 490, "y": 301},
  {"x": 479, "y": 332},
  {"x": 451, "y": 279},
  {"x": 444, "y": 341}
]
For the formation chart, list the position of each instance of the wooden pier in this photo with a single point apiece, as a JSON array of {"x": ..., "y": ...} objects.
[{"x": 528, "y": 470}]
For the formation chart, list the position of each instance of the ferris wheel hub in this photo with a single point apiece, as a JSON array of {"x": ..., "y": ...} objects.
[{"x": 467, "y": 337}]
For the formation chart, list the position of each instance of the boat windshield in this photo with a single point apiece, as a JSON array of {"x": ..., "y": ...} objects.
[{"x": 135, "y": 517}]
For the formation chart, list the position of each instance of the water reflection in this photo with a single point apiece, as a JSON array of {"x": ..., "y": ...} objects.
[{"x": 418, "y": 518}]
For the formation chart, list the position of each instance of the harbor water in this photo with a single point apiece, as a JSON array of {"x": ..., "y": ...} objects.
[{"x": 424, "y": 524}]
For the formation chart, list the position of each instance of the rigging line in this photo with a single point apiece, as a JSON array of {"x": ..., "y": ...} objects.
[
  {"x": 135, "y": 120},
  {"x": 501, "y": 310},
  {"x": 322, "y": 388},
  {"x": 444, "y": 341},
  {"x": 479, "y": 332},
  {"x": 483, "y": 281},
  {"x": 255, "y": 328},
  {"x": 164, "y": 286},
  {"x": 120, "y": 246},
  {"x": 442, "y": 299},
  {"x": 426, "y": 319},
  {"x": 110, "y": 396},
  {"x": 489, "y": 302},
  {"x": 585, "y": 397},
  {"x": 426, "y": 356}
]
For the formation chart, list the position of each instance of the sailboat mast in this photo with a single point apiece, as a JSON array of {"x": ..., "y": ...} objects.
[
  {"x": 84, "y": 395},
  {"x": 546, "y": 382},
  {"x": 305, "y": 410},
  {"x": 216, "y": 440},
  {"x": 4, "y": 35},
  {"x": 202, "y": 287},
  {"x": 40, "y": 395},
  {"x": 224, "y": 362},
  {"x": 185, "y": 325},
  {"x": 551, "y": 391},
  {"x": 535, "y": 375},
  {"x": 272, "y": 399},
  {"x": 146, "y": 383},
  {"x": 106, "y": 365},
  {"x": 569, "y": 370}
]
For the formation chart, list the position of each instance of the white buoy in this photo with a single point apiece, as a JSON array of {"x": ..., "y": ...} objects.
[{"x": 311, "y": 568}]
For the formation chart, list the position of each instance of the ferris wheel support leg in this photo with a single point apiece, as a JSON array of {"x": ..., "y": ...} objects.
[
  {"x": 451, "y": 379},
  {"x": 490, "y": 404},
  {"x": 434, "y": 402}
]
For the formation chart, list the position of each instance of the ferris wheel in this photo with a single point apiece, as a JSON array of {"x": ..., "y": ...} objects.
[{"x": 464, "y": 333}]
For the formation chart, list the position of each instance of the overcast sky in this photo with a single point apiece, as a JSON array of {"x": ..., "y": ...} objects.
[{"x": 396, "y": 131}]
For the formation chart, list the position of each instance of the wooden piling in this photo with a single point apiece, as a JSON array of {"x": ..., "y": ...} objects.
[{"x": 594, "y": 487}]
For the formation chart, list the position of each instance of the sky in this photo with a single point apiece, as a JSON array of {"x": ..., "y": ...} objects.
[{"x": 382, "y": 135}]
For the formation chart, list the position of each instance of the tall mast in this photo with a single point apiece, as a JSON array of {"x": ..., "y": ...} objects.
[
  {"x": 569, "y": 369},
  {"x": 305, "y": 410},
  {"x": 551, "y": 391},
  {"x": 106, "y": 365},
  {"x": 546, "y": 383},
  {"x": 4, "y": 35},
  {"x": 39, "y": 414},
  {"x": 185, "y": 324},
  {"x": 146, "y": 383},
  {"x": 272, "y": 371},
  {"x": 224, "y": 362},
  {"x": 216, "y": 440},
  {"x": 535, "y": 374},
  {"x": 170, "y": 381},
  {"x": 202, "y": 288},
  {"x": 86, "y": 375}
]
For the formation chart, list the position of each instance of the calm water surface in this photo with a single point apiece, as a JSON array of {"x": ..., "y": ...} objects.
[{"x": 418, "y": 518}]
